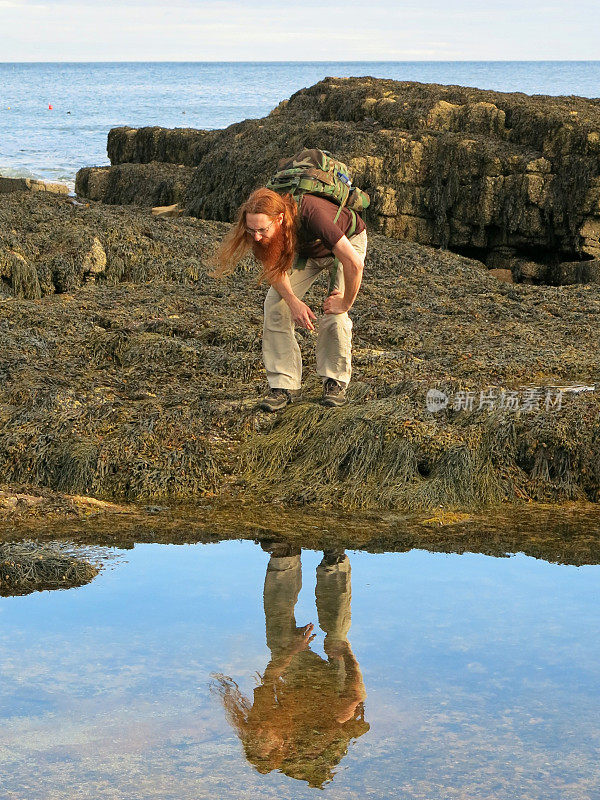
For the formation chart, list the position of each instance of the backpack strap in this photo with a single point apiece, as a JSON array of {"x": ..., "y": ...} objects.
[
  {"x": 333, "y": 274},
  {"x": 336, "y": 262},
  {"x": 300, "y": 263},
  {"x": 354, "y": 224}
]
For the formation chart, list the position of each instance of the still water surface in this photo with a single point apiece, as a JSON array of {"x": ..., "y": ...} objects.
[{"x": 187, "y": 672}]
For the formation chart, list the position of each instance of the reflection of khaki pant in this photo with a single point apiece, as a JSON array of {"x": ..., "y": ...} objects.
[
  {"x": 333, "y": 596},
  {"x": 283, "y": 582},
  {"x": 281, "y": 354}
]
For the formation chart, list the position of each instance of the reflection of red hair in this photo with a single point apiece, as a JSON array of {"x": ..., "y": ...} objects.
[
  {"x": 279, "y": 257},
  {"x": 292, "y": 728}
]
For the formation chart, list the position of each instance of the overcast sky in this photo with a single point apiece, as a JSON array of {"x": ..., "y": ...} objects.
[{"x": 274, "y": 30}]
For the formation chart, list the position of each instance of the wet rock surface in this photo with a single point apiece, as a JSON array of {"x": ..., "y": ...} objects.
[
  {"x": 143, "y": 383},
  {"x": 480, "y": 172}
]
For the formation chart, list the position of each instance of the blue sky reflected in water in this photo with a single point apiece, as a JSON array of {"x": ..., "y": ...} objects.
[{"x": 481, "y": 678}]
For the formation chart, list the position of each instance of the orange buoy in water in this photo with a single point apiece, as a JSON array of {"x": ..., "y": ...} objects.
[{"x": 50, "y": 107}]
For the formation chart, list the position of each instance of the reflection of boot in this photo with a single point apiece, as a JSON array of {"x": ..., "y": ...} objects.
[
  {"x": 333, "y": 594},
  {"x": 283, "y": 582},
  {"x": 279, "y": 548},
  {"x": 331, "y": 557}
]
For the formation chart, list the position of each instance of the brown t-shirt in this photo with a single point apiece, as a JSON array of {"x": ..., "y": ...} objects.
[{"x": 318, "y": 232}]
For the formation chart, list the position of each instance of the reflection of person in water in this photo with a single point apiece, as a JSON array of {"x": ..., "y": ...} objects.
[{"x": 306, "y": 709}]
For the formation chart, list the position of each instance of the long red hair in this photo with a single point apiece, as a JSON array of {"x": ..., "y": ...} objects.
[{"x": 238, "y": 242}]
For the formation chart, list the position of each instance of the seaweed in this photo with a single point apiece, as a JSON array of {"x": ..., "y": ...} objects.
[
  {"x": 29, "y": 566},
  {"x": 142, "y": 384}
]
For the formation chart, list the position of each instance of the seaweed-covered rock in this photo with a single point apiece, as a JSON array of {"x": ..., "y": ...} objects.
[
  {"x": 185, "y": 146},
  {"x": 153, "y": 184},
  {"x": 461, "y": 168},
  {"x": 144, "y": 383},
  {"x": 56, "y": 247},
  {"x": 95, "y": 260},
  {"x": 19, "y": 274},
  {"x": 32, "y": 566}
]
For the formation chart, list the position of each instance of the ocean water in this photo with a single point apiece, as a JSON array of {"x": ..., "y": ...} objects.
[{"x": 88, "y": 99}]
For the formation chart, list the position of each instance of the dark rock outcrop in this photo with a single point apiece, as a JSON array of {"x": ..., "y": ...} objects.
[
  {"x": 153, "y": 184},
  {"x": 185, "y": 146},
  {"x": 479, "y": 172}
]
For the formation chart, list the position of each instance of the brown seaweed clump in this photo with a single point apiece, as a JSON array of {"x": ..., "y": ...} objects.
[{"x": 30, "y": 566}]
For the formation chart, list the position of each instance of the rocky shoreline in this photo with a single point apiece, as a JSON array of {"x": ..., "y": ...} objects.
[
  {"x": 139, "y": 379},
  {"x": 129, "y": 374},
  {"x": 565, "y": 534}
]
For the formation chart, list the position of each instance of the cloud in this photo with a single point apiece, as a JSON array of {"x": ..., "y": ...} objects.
[{"x": 234, "y": 30}]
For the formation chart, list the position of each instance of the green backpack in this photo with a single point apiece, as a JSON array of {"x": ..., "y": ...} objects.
[{"x": 313, "y": 171}]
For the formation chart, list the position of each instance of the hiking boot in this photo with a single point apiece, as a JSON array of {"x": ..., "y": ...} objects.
[
  {"x": 276, "y": 399},
  {"x": 334, "y": 393}
]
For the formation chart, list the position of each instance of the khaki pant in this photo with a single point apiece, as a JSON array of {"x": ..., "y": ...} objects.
[
  {"x": 281, "y": 354},
  {"x": 283, "y": 582}
]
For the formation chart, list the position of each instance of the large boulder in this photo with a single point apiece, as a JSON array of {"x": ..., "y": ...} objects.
[
  {"x": 185, "y": 146},
  {"x": 454, "y": 167}
]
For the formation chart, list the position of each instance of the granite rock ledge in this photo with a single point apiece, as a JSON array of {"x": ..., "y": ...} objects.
[{"x": 510, "y": 179}]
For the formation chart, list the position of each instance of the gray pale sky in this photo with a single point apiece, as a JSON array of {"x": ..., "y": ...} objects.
[{"x": 315, "y": 30}]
